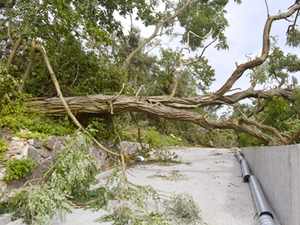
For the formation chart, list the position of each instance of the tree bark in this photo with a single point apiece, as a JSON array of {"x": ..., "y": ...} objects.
[
  {"x": 29, "y": 67},
  {"x": 95, "y": 104},
  {"x": 13, "y": 54}
]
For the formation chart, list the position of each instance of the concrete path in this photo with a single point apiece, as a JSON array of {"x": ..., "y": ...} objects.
[{"x": 211, "y": 176}]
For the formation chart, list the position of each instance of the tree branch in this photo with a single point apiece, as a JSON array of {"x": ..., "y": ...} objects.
[
  {"x": 66, "y": 108},
  {"x": 29, "y": 67},
  {"x": 183, "y": 64},
  {"x": 13, "y": 54},
  {"x": 96, "y": 104},
  {"x": 259, "y": 60},
  {"x": 135, "y": 51}
]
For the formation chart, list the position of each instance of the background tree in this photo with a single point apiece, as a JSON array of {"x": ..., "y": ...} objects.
[{"x": 178, "y": 85}]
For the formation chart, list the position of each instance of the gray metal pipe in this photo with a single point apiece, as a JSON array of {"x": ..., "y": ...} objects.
[
  {"x": 262, "y": 206},
  {"x": 261, "y": 203},
  {"x": 239, "y": 156},
  {"x": 266, "y": 220},
  {"x": 245, "y": 170}
]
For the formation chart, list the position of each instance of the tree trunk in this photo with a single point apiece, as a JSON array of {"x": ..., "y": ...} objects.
[{"x": 95, "y": 104}]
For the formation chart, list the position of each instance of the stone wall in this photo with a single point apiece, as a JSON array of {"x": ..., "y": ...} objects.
[{"x": 42, "y": 151}]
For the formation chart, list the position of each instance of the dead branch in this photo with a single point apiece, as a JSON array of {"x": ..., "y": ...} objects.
[
  {"x": 8, "y": 33},
  {"x": 137, "y": 93},
  {"x": 96, "y": 104},
  {"x": 294, "y": 137},
  {"x": 267, "y": 8},
  {"x": 110, "y": 102}
]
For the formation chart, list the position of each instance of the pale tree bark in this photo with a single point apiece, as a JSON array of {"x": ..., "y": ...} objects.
[
  {"x": 96, "y": 104},
  {"x": 29, "y": 67},
  {"x": 13, "y": 54}
]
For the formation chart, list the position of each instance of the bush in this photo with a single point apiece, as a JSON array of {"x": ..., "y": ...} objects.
[
  {"x": 8, "y": 84},
  {"x": 18, "y": 168},
  {"x": 13, "y": 115},
  {"x": 3, "y": 149}
]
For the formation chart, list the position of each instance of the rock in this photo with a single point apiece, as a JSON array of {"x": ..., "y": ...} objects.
[
  {"x": 30, "y": 141},
  {"x": 33, "y": 154},
  {"x": 38, "y": 143},
  {"x": 62, "y": 140},
  {"x": 133, "y": 147},
  {"x": 49, "y": 143},
  {"x": 16, "y": 139},
  {"x": 57, "y": 146},
  {"x": 94, "y": 153},
  {"x": 46, "y": 152},
  {"x": 139, "y": 158}
]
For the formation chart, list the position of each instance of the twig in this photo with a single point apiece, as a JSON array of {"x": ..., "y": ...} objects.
[
  {"x": 139, "y": 90},
  {"x": 267, "y": 8},
  {"x": 138, "y": 127},
  {"x": 76, "y": 73},
  {"x": 8, "y": 32},
  {"x": 121, "y": 148},
  {"x": 192, "y": 62},
  {"x": 114, "y": 98}
]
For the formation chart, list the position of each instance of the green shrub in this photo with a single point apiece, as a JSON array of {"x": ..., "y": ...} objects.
[
  {"x": 8, "y": 84},
  {"x": 18, "y": 168},
  {"x": 13, "y": 114},
  {"x": 3, "y": 149},
  {"x": 157, "y": 140}
]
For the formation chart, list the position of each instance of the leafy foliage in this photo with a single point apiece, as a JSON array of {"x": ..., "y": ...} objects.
[
  {"x": 13, "y": 114},
  {"x": 70, "y": 177},
  {"x": 3, "y": 149},
  {"x": 18, "y": 168},
  {"x": 8, "y": 85},
  {"x": 182, "y": 210}
]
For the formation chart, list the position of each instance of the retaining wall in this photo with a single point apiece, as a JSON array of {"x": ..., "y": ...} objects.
[{"x": 278, "y": 170}]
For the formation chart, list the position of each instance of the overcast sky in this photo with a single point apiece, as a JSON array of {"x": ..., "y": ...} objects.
[
  {"x": 244, "y": 35},
  {"x": 246, "y": 22}
]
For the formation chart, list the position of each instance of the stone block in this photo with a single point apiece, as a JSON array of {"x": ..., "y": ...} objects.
[
  {"x": 46, "y": 152},
  {"x": 38, "y": 143},
  {"x": 132, "y": 148},
  {"x": 30, "y": 141},
  {"x": 33, "y": 154},
  {"x": 63, "y": 140},
  {"x": 49, "y": 143},
  {"x": 94, "y": 153}
]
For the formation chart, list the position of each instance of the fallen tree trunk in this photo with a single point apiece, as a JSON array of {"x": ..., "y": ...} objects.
[{"x": 96, "y": 104}]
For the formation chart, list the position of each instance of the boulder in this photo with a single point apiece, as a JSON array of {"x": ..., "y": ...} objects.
[
  {"x": 46, "y": 152},
  {"x": 33, "y": 154}
]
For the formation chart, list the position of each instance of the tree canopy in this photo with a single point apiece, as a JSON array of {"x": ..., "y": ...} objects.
[{"x": 97, "y": 69}]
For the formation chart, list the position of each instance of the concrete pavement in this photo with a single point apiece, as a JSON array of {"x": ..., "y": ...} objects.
[{"x": 211, "y": 176}]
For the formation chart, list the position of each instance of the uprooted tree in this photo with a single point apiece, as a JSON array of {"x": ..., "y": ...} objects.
[{"x": 80, "y": 45}]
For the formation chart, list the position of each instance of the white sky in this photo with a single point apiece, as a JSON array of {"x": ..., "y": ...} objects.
[{"x": 244, "y": 36}]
